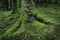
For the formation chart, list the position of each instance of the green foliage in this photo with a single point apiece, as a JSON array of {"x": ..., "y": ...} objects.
[{"x": 29, "y": 31}]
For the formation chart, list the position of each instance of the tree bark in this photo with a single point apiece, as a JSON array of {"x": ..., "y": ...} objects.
[
  {"x": 27, "y": 6},
  {"x": 14, "y": 5}
]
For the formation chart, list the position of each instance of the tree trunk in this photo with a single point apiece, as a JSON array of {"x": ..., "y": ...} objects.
[
  {"x": 10, "y": 4},
  {"x": 5, "y": 4},
  {"x": 27, "y": 6},
  {"x": 14, "y": 5},
  {"x": 19, "y": 3}
]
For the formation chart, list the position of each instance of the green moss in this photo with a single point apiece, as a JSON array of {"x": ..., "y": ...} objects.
[{"x": 33, "y": 30}]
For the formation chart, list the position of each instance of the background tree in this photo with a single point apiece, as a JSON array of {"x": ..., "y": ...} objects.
[{"x": 14, "y": 5}]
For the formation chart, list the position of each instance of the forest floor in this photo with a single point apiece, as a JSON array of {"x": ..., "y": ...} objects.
[{"x": 10, "y": 24}]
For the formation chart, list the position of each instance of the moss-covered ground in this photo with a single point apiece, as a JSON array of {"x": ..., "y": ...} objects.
[{"x": 10, "y": 28}]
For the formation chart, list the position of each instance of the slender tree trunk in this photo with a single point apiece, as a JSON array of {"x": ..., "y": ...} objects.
[
  {"x": 14, "y": 5},
  {"x": 10, "y": 4},
  {"x": 5, "y": 4},
  {"x": 19, "y": 3}
]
